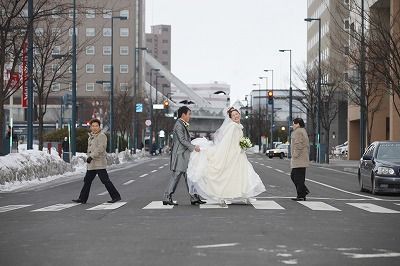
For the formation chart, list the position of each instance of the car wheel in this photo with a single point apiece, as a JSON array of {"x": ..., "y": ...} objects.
[
  {"x": 373, "y": 185},
  {"x": 360, "y": 182},
  {"x": 281, "y": 155},
  {"x": 271, "y": 157}
]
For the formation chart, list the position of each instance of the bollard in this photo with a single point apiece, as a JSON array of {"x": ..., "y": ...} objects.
[
  {"x": 49, "y": 147},
  {"x": 59, "y": 149}
]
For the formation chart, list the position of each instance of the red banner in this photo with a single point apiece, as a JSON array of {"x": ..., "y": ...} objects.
[
  {"x": 24, "y": 98},
  {"x": 14, "y": 79}
]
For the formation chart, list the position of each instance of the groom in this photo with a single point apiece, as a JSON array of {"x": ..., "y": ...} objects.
[{"x": 180, "y": 154}]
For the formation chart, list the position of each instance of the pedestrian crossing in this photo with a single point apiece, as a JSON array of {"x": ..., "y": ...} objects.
[{"x": 277, "y": 205}]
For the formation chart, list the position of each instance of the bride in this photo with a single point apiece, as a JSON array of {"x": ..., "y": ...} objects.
[{"x": 221, "y": 171}]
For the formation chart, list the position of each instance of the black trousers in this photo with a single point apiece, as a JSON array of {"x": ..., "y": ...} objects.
[
  {"x": 298, "y": 176},
  {"x": 103, "y": 175}
]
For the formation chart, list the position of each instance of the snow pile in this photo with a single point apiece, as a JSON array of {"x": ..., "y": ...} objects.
[{"x": 31, "y": 164}]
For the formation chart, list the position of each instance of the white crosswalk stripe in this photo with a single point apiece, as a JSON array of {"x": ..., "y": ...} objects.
[
  {"x": 12, "y": 207},
  {"x": 128, "y": 182},
  {"x": 372, "y": 208},
  {"x": 318, "y": 206},
  {"x": 213, "y": 205},
  {"x": 103, "y": 193},
  {"x": 107, "y": 206},
  {"x": 56, "y": 207},
  {"x": 144, "y": 175},
  {"x": 154, "y": 205},
  {"x": 267, "y": 205}
]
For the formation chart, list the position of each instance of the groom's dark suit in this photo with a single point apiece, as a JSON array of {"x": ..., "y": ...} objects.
[{"x": 180, "y": 154}]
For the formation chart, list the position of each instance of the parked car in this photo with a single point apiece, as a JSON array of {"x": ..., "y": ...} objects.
[
  {"x": 341, "y": 149},
  {"x": 379, "y": 168},
  {"x": 280, "y": 151}
]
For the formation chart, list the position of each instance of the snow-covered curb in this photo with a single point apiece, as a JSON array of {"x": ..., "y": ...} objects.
[{"x": 30, "y": 168}]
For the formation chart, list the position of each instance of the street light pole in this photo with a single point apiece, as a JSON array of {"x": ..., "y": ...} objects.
[
  {"x": 73, "y": 111},
  {"x": 135, "y": 95},
  {"x": 112, "y": 83},
  {"x": 266, "y": 103},
  {"x": 30, "y": 77},
  {"x": 319, "y": 90},
  {"x": 290, "y": 98},
  {"x": 259, "y": 116},
  {"x": 151, "y": 109},
  {"x": 272, "y": 108}
]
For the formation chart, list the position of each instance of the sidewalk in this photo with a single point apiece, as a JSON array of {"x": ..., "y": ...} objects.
[{"x": 350, "y": 166}]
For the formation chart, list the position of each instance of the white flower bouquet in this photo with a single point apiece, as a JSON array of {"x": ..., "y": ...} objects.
[{"x": 245, "y": 143}]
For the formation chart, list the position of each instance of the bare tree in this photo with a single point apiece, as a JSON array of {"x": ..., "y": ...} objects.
[{"x": 124, "y": 113}]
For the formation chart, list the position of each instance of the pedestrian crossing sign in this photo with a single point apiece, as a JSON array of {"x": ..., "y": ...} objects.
[{"x": 139, "y": 108}]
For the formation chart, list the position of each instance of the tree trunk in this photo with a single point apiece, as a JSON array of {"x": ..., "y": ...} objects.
[
  {"x": 40, "y": 118},
  {"x": 1, "y": 128}
]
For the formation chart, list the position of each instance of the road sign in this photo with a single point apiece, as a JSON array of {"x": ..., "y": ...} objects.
[
  {"x": 139, "y": 108},
  {"x": 158, "y": 106},
  {"x": 147, "y": 123}
]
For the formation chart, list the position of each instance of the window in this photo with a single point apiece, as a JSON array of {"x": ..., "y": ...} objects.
[
  {"x": 39, "y": 31},
  {"x": 71, "y": 13},
  {"x": 165, "y": 41},
  {"x": 106, "y": 50},
  {"x": 346, "y": 50},
  {"x": 70, "y": 68},
  {"x": 71, "y": 31},
  {"x": 106, "y": 68},
  {"x": 124, "y": 13},
  {"x": 123, "y": 32},
  {"x": 55, "y": 13},
  {"x": 149, "y": 40},
  {"x": 346, "y": 76},
  {"x": 165, "y": 29},
  {"x": 106, "y": 86},
  {"x": 90, "y": 50},
  {"x": 123, "y": 86},
  {"x": 56, "y": 50},
  {"x": 107, "y": 32},
  {"x": 89, "y": 68},
  {"x": 124, "y": 50},
  {"x": 89, "y": 86},
  {"x": 347, "y": 2},
  {"x": 164, "y": 52},
  {"x": 107, "y": 13},
  {"x": 164, "y": 63},
  {"x": 346, "y": 24},
  {"x": 90, "y": 13},
  {"x": 55, "y": 68},
  {"x": 90, "y": 32},
  {"x": 123, "y": 69},
  {"x": 56, "y": 87},
  {"x": 70, "y": 86}
]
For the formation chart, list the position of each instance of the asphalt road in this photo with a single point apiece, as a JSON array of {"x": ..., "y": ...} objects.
[{"x": 337, "y": 225}]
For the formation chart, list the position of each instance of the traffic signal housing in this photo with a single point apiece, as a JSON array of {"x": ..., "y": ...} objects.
[
  {"x": 166, "y": 104},
  {"x": 270, "y": 97}
]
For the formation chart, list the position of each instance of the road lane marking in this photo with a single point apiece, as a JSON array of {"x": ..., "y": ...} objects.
[
  {"x": 338, "y": 171},
  {"x": 56, "y": 207},
  {"x": 372, "y": 208},
  {"x": 154, "y": 171},
  {"x": 157, "y": 205},
  {"x": 279, "y": 170},
  {"x": 313, "y": 198},
  {"x": 166, "y": 164},
  {"x": 270, "y": 167},
  {"x": 342, "y": 190},
  {"x": 12, "y": 207},
  {"x": 267, "y": 205},
  {"x": 161, "y": 167},
  {"x": 103, "y": 193},
  {"x": 213, "y": 205},
  {"x": 128, "y": 182},
  {"x": 318, "y": 206},
  {"x": 143, "y": 175},
  {"x": 370, "y": 256},
  {"x": 217, "y": 245},
  {"x": 107, "y": 206}
]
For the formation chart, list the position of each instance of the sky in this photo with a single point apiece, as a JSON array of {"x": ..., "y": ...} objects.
[{"x": 233, "y": 41}]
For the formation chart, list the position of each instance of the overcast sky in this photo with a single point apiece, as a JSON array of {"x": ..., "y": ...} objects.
[{"x": 233, "y": 41}]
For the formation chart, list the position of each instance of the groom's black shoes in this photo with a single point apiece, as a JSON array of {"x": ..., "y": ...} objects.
[
  {"x": 299, "y": 199},
  {"x": 169, "y": 202},
  {"x": 79, "y": 201},
  {"x": 197, "y": 202}
]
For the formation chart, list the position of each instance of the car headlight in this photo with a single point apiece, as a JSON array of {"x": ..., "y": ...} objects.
[{"x": 385, "y": 171}]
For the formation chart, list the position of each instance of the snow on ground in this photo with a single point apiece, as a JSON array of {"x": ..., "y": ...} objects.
[{"x": 29, "y": 168}]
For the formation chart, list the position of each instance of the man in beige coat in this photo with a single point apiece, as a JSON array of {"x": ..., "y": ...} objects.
[
  {"x": 96, "y": 164},
  {"x": 300, "y": 158}
]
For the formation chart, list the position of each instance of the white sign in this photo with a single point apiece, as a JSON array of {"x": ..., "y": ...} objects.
[
  {"x": 147, "y": 123},
  {"x": 162, "y": 133},
  {"x": 158, "y": 106}
]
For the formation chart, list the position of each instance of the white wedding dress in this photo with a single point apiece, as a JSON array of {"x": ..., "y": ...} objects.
[{"x": 221, "y": 170}]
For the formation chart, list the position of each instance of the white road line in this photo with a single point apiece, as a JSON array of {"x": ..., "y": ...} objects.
[
  {"x": 166, "y": 164},
  {"x": 313, "y": 198},
  {"x": 262, "y": 164},
  {"x": 369, "y": 256},
  {"x": 143, "y": 175},
  {"x": 157, "y": 205},
  {"x": 318, "y": 206},
  {"x": 342, "y": 190},
  {"x": 154, "y": 171},
  {"x": 338, "y": 171},
  {"x": 372, "y": 208},
  {"x": 128, "y": 182},
  {"x": 270, "y": 167},
  {"x": 215, "y": 205},
  {"x": 267, "y": 205},
  {"x": 161, "y": 167},
  {"x": 107, "y": 206},
  {"x": 217, "y": 245},
  {"x": 56, "y": 207},
  {"x": 103, "y": 193},
  {"x": 279, "y": 170},
  {"x": 12, "y": 207}
]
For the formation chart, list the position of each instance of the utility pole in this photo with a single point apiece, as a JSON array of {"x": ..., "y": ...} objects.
[{"x": 362, "y": 84}]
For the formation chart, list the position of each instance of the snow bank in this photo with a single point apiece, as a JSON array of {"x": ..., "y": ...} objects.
[{"x": 31, "y": 164}]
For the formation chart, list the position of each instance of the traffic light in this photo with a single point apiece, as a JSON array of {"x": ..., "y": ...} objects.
[
  {"x": 166, "y": 104},
  {"x": 247, "y": 114},
  {"x": 270, "y": 97}
]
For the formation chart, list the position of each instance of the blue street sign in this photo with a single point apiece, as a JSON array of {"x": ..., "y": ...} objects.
[{"x": 139, "y": 108}]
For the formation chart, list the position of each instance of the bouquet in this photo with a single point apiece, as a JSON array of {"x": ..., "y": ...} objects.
[{"x": 245, "y": 143}]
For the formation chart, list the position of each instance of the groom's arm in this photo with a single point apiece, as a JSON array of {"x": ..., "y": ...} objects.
[{"x": 180, "y": 134}]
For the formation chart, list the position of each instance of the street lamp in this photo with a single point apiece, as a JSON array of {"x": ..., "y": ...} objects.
[
  {"x": 272, "y": 107},
  {"x": 290, "y": 95},
  {"x": 318, "y": 89},
  {"x": 135, "y": 95},
  {"x": 259, "y": 115},
  {"x": 112, "y": 83},
  {"x": 151, "y": 108}
]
